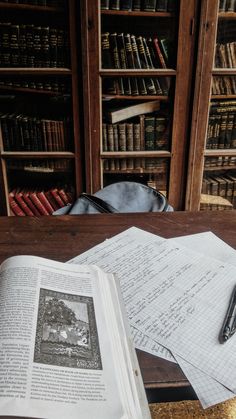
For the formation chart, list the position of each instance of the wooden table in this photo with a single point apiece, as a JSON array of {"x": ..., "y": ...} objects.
[{"x": 63, "y": 237}]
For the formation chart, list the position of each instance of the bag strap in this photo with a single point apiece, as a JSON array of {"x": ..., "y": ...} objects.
[{"x": 98, "y": 203}]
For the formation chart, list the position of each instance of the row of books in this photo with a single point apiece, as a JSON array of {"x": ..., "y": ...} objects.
[
  {"x": 26, "y": 133},
  {"x": 227, "y": 6},
  {"x": 221, "y": 131},
  {"x": 223, "y": 186},
  {"x": 225, "y": 55},
  {"x": 48, "y": 3},
  {"x": 225, "y": 85},
  {"x": 151, "y": 133},
  {"x": 138, "y": 165},
  {"x": 136, "y": 5},
  {"x": 56, "y": 85},
  {"x": 40, "y": 166},
  {"x": 124, "y": 50},
  {"x": 125, "y": 86},
  {"x": 33, "y": 46},
  {"x": 24, "y": 201},
  {"x": 219, "y": 161}
]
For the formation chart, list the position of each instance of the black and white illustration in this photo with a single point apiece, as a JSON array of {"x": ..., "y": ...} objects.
[{"x": 66, "y": 333}]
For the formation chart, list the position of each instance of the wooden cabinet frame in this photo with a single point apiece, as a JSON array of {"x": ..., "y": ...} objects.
[{"x": 182, "y": 102}]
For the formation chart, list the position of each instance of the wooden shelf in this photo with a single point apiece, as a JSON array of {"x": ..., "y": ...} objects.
[
  {"x": 219, "y": 168},
  {"x": 154, "y": 72},
  {"x": 224, "y": 97},
  {"x": 27, "y": 71},
  {"x": 30, "y": 90},
  {"x": 126, "y": 154},
  {"x": 31, "y": 7},
  {"x": 137, "y": 171},
  {"x": 37, "y": 154},
  {"x": 144, "y": 97},
  {"x": 220, "y": 152},
  {"x": 224, "y": 71},
  {"x": 227, "y": 15},
  {"x": 136, "y": 13}
]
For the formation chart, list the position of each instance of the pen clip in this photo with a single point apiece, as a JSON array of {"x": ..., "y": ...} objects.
[{"x": 233, "y": 327}]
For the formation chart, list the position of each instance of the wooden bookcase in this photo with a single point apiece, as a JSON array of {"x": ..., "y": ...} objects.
[
  {"x": 52, "y": 90},
  {"x": 212, "y": 156},
  {"x": 165, "y": 168}
]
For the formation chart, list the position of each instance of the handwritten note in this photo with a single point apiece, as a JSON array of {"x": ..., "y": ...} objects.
[{"x": 169, "y": 292}]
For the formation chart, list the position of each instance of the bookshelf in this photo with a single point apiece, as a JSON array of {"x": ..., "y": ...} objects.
[
  {"x": 151, "y": 147},
  {"x": 211, "y": 181},
  {"x": 40, "y": 135}
]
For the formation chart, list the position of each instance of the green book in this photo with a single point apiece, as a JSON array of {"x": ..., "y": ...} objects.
[{"x": 149, "y": 132}]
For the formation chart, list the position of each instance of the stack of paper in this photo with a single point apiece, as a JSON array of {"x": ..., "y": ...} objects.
[{"x": 176, "y": 294}]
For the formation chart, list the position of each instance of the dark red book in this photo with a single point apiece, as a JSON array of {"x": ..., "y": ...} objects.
[
  {"x": 30, "y": 203},
  {"x": 64, "y": 196},
  {"x": 57, "y": 197},
  {"x": 16, "y": 209},
  {"x": 159, "y": 54},
  {"x": 24, "y": 206},
  {"x": 52, "y": 201},
  {"x": 43, "y": 199},
  {"x": 38, "y": 203}
]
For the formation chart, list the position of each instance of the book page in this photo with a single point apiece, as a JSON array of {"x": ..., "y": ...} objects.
[{"x": 72, "y": 367}]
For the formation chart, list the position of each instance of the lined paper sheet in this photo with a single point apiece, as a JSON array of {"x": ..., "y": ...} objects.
[{"x": 116, "y": 252}]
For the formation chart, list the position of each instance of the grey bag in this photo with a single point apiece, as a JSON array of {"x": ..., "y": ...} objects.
[{"x": 119, "y": 197}]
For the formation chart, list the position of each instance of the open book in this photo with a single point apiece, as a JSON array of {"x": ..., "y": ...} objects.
[{"x": 65, "y": 348}]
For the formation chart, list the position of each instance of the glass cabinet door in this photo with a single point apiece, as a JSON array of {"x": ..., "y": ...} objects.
[
  {"x": 212, "y": 173},
  {"x": 141, "y": 78}
]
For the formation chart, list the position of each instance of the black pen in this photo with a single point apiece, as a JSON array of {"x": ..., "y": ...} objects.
[{"x": 229, "y": 324}]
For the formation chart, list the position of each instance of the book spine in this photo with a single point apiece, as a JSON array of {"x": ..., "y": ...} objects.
[
  {"x": 159, "y": 54},
  {"x": 233, "y": 136},
  {"x": 162, "y": 5},
  {"x": 104, "y": 4},
  {"x": 110, "y": 137},
  {"x": 30, "y": 203},
  {"x": 52, "y": 201},
  {"x": 149, "y": 132},
  {"x": 116, "y": 137},
  {"x": 116, "y": 60},
  {"x": 137, "y": 137},
  {"x": 57, "y": 197},
  {"x": 104, "y": 137},
  {"x": 136, "y": 5},
  {"x": 114, "y": 5},
  {"x": 229, "y": 129},
  {"x": 130, "y": 137},
  {"x": 137, "y": 64},
  {"x": 43, "y": 199},
  {"x": 14, "y": 205},
  {"x": 38, "y": 204},
  {"x": 161, "y": 133},
  {"x": 149, "y": 5},
  {"x": 106, "y": 51},
  {"x": 222, "y": 5},
  {"x": 64, "y": 196},
  {"x": 230, "y": 6},
  {"x": 53, "y": 47},
  {"x": 150, "y": 86},
  {"x": 126, "y": 5},
  {"x": 123, "y": 62},
  {"x": 122, "y": 136},
  {"x": 130, "y": 63},
  {"x": 24, "y": 206}
]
